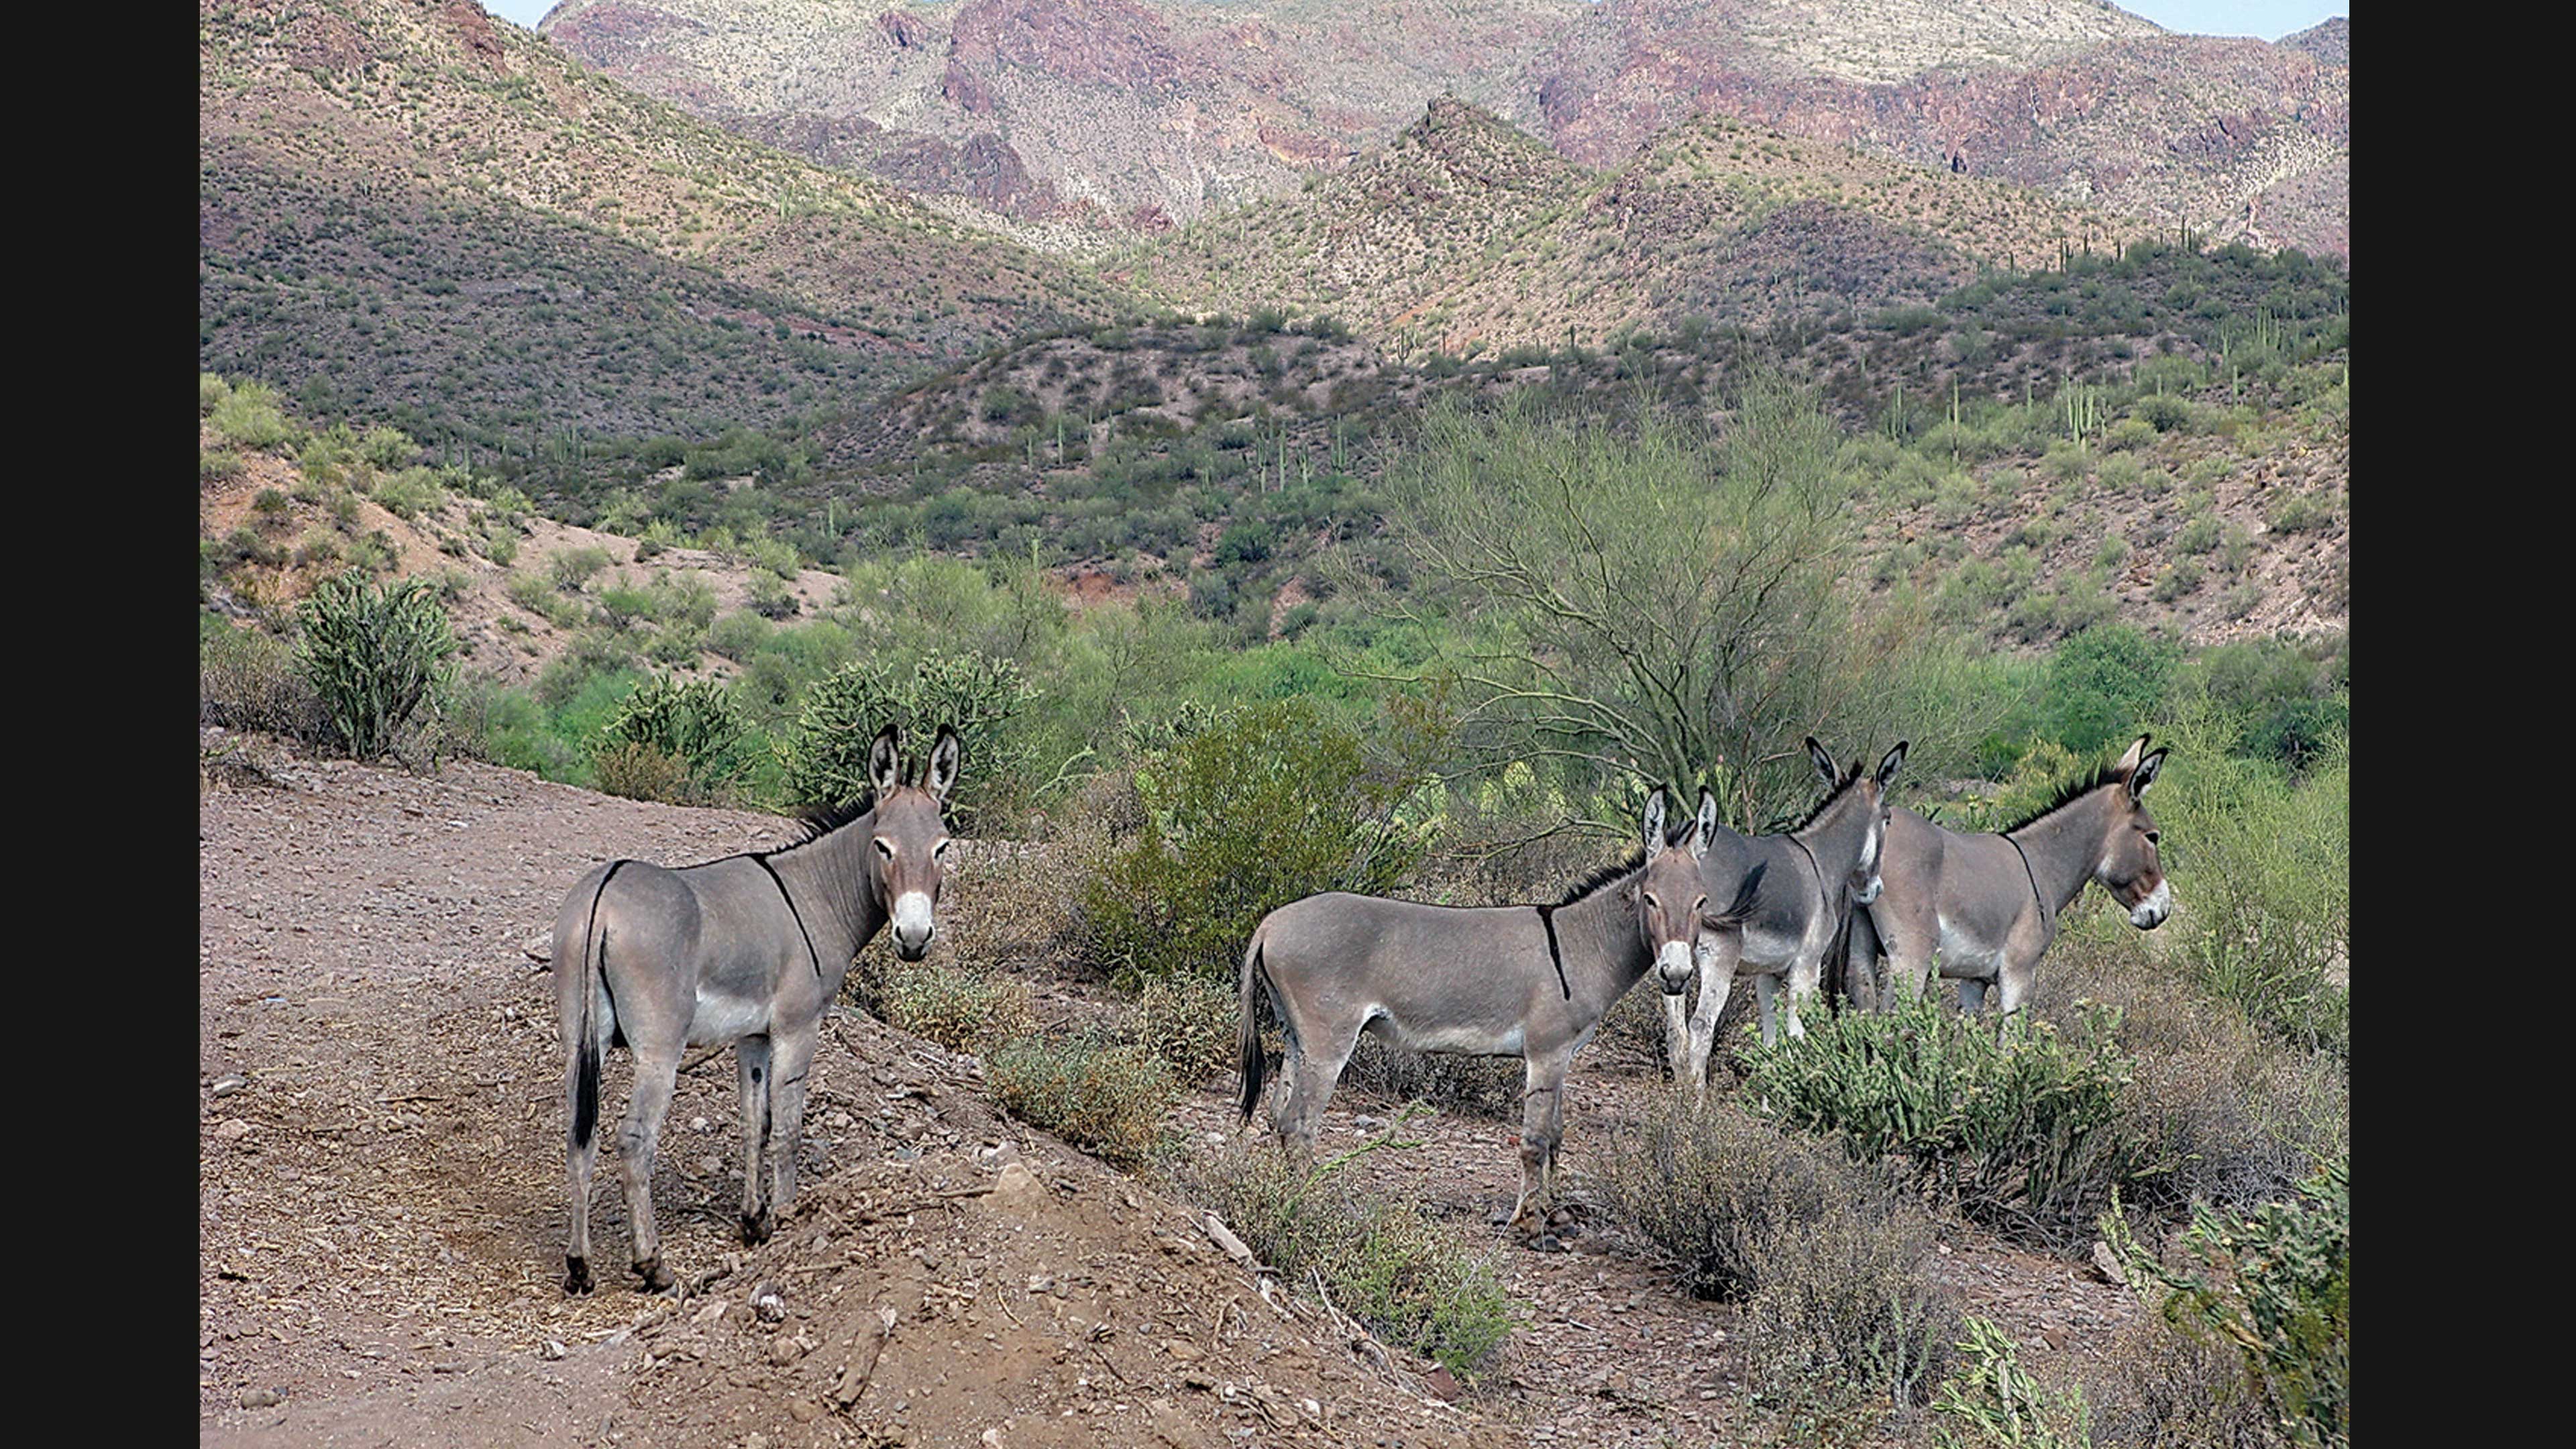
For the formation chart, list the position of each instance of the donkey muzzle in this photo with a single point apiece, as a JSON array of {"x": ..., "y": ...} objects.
[
  {"x": 1674, "y": 968},
  {"x": 2150, "y": 913},
  {"x": 912, "y": 926},
  {"x": 1868, "y": 893}
]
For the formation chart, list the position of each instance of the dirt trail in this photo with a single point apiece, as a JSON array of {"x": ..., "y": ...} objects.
[{"x": 382, "y": 1215}]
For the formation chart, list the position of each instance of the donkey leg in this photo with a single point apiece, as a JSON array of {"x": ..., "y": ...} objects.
[
  {"x": 1766, "y": 993},
  {"x": 791, "y": 1056},
  {"x": 656, "y": 1072},
  {"x": 1543, "y": 1084},
  {"x": 2014, "y": 983},
  {"x": 1677, "y": 1040},
  {"x": 1311, "y": 1084},
  {"x": 581, "y": 1157},
  {"x": 1972, "y": 997},
  {"x": 751, "y": 1075},
  {"x": 1716, "y": 983}
]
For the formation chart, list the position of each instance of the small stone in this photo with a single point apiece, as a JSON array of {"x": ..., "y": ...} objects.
[
  {"x": 756, "y": 1441},
  {"x": 1441, "y": 1382},
  {"x": 711, "y": 1312},
  {"x": 804, "y": 1411},
  {"x": 226, "y": 1086},
  {"x": 261, "y": 1398},
  {"x": 1016, "y": 1183},
  {"x": 785, "y": 1350},
  {"x": 233, "y": 1130},
  {"x": 2107, "y": 1263},
  {"x": 769, "y": 1303},
  {"x": 553, "y": 1350}
]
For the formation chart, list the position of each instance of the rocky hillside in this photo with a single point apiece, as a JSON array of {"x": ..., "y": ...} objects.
[
  {"x": 407, "y": 209},
  {"x": 1140, "y": 114},
  {"x": 1466, "y": 235}
]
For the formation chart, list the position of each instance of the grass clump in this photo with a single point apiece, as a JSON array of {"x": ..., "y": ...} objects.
[
  {"x": 1108, "y": 1098},
  {"x": 2028, "y": 1128},
  {"x": 962, "y": 1009},
  {"x": 1413, "y": 1281},
  {"x": 1825, "y": 1256}
]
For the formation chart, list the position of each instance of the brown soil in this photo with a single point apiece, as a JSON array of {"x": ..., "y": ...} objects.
[{"x": 382, "y": 1209}]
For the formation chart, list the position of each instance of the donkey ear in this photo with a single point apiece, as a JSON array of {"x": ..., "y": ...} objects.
[
  {"x": 945, "y": 756},
  {"x": 2128, "y": 762},
  {"x": 1654, "y": 826},
  {"x": 885, "y": 760},
  {"x": 1704, "y": 830},
  {"x": 1825, "y": 765},
  {"x": 1895, "y": 761},
  {"x": 2145, "y": 775}
]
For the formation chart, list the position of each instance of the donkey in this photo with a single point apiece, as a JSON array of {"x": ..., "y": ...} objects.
[
  {"x": 1811, "y": 878},
  {"x": 750, "y": 949},
  {"x": 1500, "y": 981},
  {"x": 1986, "y": 906}
]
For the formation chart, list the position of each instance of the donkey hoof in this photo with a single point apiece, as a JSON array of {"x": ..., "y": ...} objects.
[
  {"x": 576, "y": 1274},
  {"x": 1546, "y": 1243},
  {"x": 757, "y": 1230},
  {"x": 656, "y": 1277}
]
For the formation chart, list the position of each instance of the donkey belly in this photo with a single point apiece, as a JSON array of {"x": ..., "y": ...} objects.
[
  {"x": 1768, "y": 953},
  {"x": 1474, "y": 1039},
  {"x": 1966, "y": 958},
  {"x": 722, "y": 1016}
]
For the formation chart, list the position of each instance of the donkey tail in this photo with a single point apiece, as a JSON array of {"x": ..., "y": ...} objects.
[
  {"x": 1740, "y": 910},
  {"x": 585, "y": 1110},
  {"x": 1247, "y": 1041}
]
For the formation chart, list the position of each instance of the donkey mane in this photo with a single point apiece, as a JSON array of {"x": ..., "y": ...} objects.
[
  {"x": 1850, "y": 779},
  {"x": 813, "y": 824},
  {"x": 2070, "y": 792},
  {"x": 1618, "y": 870}
]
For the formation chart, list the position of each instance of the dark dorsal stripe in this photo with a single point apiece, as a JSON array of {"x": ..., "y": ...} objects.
[
  {"x": 1547, "y": 918},
  {"x": 2033, "y": 877},
  {"x": 810, "y": 953}
]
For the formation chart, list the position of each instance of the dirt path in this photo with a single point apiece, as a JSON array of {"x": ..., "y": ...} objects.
[{"x": 382, "y": 1215}]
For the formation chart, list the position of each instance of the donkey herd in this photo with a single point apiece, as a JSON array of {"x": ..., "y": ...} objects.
[{"x": 752, "y": 949}]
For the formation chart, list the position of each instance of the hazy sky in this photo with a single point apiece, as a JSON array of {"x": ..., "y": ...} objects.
[{"x": 2268, "y": 19}]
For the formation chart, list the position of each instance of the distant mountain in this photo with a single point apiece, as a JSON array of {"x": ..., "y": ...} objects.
[
  {"x": 2328, "y": 40},
  {"x": 406, "y": 209},
  {"x": 1143, "y": 114},
  {"x": 1468, "y": 232}
]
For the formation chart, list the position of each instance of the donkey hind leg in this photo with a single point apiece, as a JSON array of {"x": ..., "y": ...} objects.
[
  {"x": 2013, "y": 985},
  {"x": 1864, "y": 982},
  {"x": 581, "y": 1138},
  {"x": 657, "y": 1070},
  {"x": 1542, "y": 1127},
  {"x": 751, "y": 1074},
  {"x": 1313, "y": 1069},
  {"x": 791, "y": 1056},
  {"x": 1766, "y": 992},
  {"x": 1972, "y": 997}
]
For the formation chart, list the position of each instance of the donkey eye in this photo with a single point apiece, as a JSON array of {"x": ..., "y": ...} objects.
[
  {"x": 939, "y": 850},
  {"x": 1650, "y": 900},
  {"x": 884, "y": 849},
  {"x": 2155, "y": 837}
]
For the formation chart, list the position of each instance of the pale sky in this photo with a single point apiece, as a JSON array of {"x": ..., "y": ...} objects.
[{"x": 2264, "y": 19}]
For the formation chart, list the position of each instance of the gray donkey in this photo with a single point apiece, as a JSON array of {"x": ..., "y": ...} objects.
[
  {"x": 750, "y": 949},
  {"x": 1810, "y": 878},
  {"x": 1986, "y": 906},
  {"x": 1510, "y": 981}
]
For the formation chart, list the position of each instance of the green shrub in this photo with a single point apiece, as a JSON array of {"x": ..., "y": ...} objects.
[
  {"x": 2026, "y": 1128},
  {"x": 411, "y": 492},
  {"x": 2198, "y": 536},
  {"x": 214, "y": 465},
  {"x": 248, "y": 415},
  {"x": 2164, "y": 413},
  {"x": 693, "y": 722},
  {"x": 1106, "y": 1098},
  {"x": 1991, "y": 1402},
  {"x": 2129, "y": 433},
  {"x": 771, "y": 598},
  {"x": 1825, "y": 1256},
  {"x": 638, "y": 771},
  {"x": 387, "y": 448},
  {"x": 1272, "y": 803},
  {"x": 2179, "y": 579},
  {"x": 374, "y": 656},
  {"x": 825, "y": 755},
  {"x": 247, "y": 680},
  {"x": 2278, "y": 1288},
  {"x": 2104, "y": 680},
  {"x": 211, "y": 391},
  {"x": 962, "y": 1009},
  {"x": 2300, "y": 513},
  {"x": 572, "y": 569},
  {"x": 1190, "y": 1023},
  {"x": 2265, "y": 868},
  {"x": 1414, "y": 1282}
]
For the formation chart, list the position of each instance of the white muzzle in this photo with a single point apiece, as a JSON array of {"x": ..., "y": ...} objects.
[
  {"x": 912, "y": 924},
  {"x": 2151, "y": 912},
  {"x": 1675, "y": 968}
]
